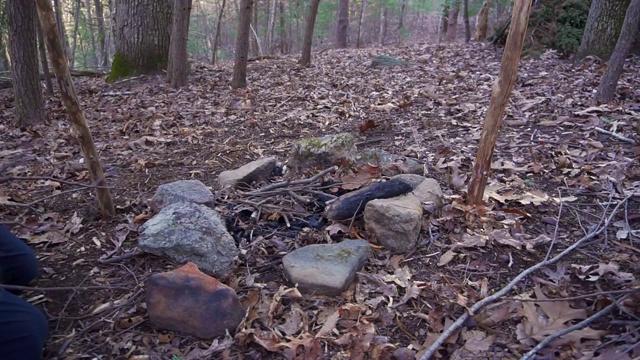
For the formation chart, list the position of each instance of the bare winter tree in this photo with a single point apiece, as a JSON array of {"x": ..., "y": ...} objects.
[
  {"x": 305, "y": 59},
  {"x": 178, "y": 66},
  {"x": 242, "y": 45},
  {"x": 465, "y": 17},
  {"x": 216, "y": 39},
  {"x": 23, "y": 50},
  {"x": 482, "y": 22},
  {"x": 629, "y": 32},
  {"x": 342, "y": 29},
  {"x": 453, "y": 20}
]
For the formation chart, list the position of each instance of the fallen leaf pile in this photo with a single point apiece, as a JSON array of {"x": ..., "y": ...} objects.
[{"x": 560, "y": 163}]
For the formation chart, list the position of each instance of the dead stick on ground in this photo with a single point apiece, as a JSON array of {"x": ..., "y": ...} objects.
[
  {"x": 475, "y": 309},
  {"x": 297, "y": 182},
  {"x": 43, "y": 199},
  {"x": 612, "y": 134},
  {"x": 12, "y": 178},
  {"x": 582, "y": 324}
]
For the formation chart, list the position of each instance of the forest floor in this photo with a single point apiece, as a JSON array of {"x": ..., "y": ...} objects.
[{"x": 555, "y": 179}]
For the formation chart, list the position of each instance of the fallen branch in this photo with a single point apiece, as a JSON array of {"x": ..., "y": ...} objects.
[
  {"x": 61, "y": 288},
  {"x": 66, "y": 182},
  {"x": 475, "y": 309},
  {"x": 617, "y": 136}
]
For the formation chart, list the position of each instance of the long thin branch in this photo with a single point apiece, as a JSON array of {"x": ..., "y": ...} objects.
[
  {"x": 22, "y": 178},
  {"x": 61, "y": 288},
  {"x": 457, "y": 325},
  {"x": 582, "y": 324},
  {"x": 29, "y": 204}
]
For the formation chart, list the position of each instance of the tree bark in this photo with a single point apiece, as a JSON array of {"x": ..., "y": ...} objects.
[
  {"x": 483, "y": 22},
  {"x": 271, "y": 26},
  {"x": 4, "y": 58},
  {"x": 305, "y": 59},
  {"x": 61, "y": 28},
  {"x": 342, "y": 29},
  {"x": 43, "y": 60},
  {"x": 70, "y": 100},
  {"x": 382, "y": 31},
  {"x": 92, "y": 35},
  {"x": 603, "y": 25},
  {"x": 23, "y": 50},
  {"x": 142, "y": 32},
  {"x": 500, "y": 92},
  {"x": 403, "y": 5},
  {"x": 453, "y": 21},
  {"x": 104, "y": 51},
  {"x": 242, "y": 45},
  {"x": 76, "y": 23},
  {"x": 216, "y": 39},
  {"x": 444, "y": 22},
  {"x": 362, "y": 7},
  {"x": 178, "y": 65},
  {"x": 465, "y": 17},
  {"x": 629, "y": 32},
  {"x": 284, "y": 42}
]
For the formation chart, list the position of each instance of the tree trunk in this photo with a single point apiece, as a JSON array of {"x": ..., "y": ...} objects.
[
  {"x": 76, "y": 23},
  {"x": 629, "y": 32},
  {"x": 24, "y": 62},
  {"x": 92, "y": 35},
  {"x": 465, "y": 17},
  {"x": 382, "y": 31},
  {"x": 603, "y": 25},
  {"x": 403, "y": 6},
  {"x": 444, "y": 22},
  {"x": 362, "y": 7},
  {"x": 453, "y": 21},
  {"x": 70, "y": 100},
  {"x": 499, "y": 97},
  {"x": 271, "y": 27},
  {"x": 342, "y": 29},
  {"x": 61, "y": 29},
  {"x": 4, "y": 58},
  {"x": 178, "y": 63},
  {"x": 43, "y": 59},
  {"x": 305, "y": 59},
  {"x": 142, "y": 32},
  {"x": 284, "y": 42},
  {"x": 242, "y": 45},
  {"x": 104, "y": 51},
  {"x": 216, "y": 39},
  {"x": 483, "y": 22}
]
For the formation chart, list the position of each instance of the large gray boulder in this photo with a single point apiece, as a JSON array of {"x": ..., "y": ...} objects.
[
  {"x": 326, "y": 269},
  {"x": 193, "y": 191},
  {"x": 190, "y": 232},
  {"x": 394, "y": 222}
]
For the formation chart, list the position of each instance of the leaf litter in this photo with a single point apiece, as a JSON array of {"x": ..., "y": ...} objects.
[{"x": 560, "y": 162}]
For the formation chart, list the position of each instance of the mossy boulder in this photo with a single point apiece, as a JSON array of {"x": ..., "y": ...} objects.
[{"x": 323, "y": 152}]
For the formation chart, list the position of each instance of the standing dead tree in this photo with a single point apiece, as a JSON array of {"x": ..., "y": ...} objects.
[{"x": 70, "y": 100}]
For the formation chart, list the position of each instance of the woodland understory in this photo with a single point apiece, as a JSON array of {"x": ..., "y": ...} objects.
[{"x": 564, "y": 169}]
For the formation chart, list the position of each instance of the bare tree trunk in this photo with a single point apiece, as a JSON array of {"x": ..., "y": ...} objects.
[
  {"x": 104, "y": 51},
  {"x": 70, "y": 100},
  {"x": 271, "y": 27},
  {"x": 142, "y": 32},
  {"x": 23, "y": 49},
  {"x": 4, "y": 57},
  {"x": 92, "y": 35},
  {"x": 453, "y": 21},
  {"x": 603, "y": 25},
  {"x": 305, "y": 59},
  {"x": 362, "y": 7},
  {"x": 629, "y": 32},
  {"x": 342, "y": 29},
  {"x": 178, "y": 63},
  {"x": 382, "y": 33},
  {"x": 216, "y": 40},
  {"x": 284, "y": 42},
  {"x": 60, "y": 23},
  {"x": 444, "y": 22},
  {"x": 76, "y": 19},
  {"x": 465, "y": 17},
  {"x": 242, "y": 45},
  {"x": 43, "y": 59},
  {"x": 483, "y": 22},
  {"x": 298, "y": 13},
  {"x": 403, "y": 6},
  {"x": 499, "y": 97}
]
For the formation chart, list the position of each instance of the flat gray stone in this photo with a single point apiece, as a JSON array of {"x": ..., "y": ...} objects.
[
  {"x": 193, "y": 191},
  {"x": 254, "y": 171},
  {"x": 190, "y": 232},
  {"x": 395, "y": 222},
  {"x": 326, "y": 269},
  {"x": 428, "y": 190}
]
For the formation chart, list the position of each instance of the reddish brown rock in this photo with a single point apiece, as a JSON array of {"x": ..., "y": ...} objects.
[{"x": 189, "y": 301}]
